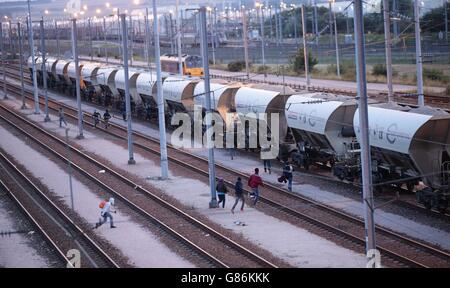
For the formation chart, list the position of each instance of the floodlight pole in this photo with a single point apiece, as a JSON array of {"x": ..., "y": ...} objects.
[
  {"x": 22, "y": 87},
  {"x": 161, "y": 115},
  {"x": 388, "y": 43},
  {"x": 44, "y": 70},
  {"x": 127, "y": 89},
  {"x": 77, "y": 78},
  {"x": 3, "y": 49},
  {"x": 33, "y": 61},
  {"x": 419, "y": 56},
  {"x": 366, "y": 165},
  {"x": 211, "y": 166},
  {"x": 305, "y": 48}
]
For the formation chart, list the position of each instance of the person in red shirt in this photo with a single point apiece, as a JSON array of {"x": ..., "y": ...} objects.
[{"x": 254, "y": 182}]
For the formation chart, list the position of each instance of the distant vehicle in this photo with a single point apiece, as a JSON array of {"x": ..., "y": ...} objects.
[
  {"x": 348, "y": 39},
  {"x": 254, "y": 35},
  {"x": 192, "y": 64}
]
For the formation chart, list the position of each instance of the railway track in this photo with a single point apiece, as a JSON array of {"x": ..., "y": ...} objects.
[
  {"x": 301, "y": 208},
  {"x": 57, "y": 228},
  {"x": 13, "y": 74},
  {"x": 164, "y": 216}
]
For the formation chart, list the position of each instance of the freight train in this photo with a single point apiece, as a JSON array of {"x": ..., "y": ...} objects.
[{"x": 409, "y": 146}]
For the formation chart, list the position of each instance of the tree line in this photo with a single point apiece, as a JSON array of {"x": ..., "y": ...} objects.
[{"x": 431, "y": 21}]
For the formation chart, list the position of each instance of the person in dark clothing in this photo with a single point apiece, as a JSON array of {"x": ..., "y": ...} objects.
[
  {"x": 62, "y": 119},
  {"x": 287, "y": 173},
  {"x": 148, "y": 113},
  {"x": 106, "y": 117},
  {"x": 124, "y": 114},
  {"x": 221, "y": 189},
  {"x": 239, "y": 192},
  {"x": 96, "y": 118}
]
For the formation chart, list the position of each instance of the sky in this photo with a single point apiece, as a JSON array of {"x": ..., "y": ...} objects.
[{"x": 55, "y": 7}]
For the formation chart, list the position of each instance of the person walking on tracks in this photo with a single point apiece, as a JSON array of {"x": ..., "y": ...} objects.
[
  {"x": 96, "y": 118},
  {"x": 287, "y": 173},
  {"x": 62, "y": 118},
  {"x": 239, "y": 193},
  {"x": 106, "y": 117},
  {"x": 124, "y": 114},
  {"x": 266, "y": 157},
  {"x": 254, "y": 182},
  {"x": 106, "y": 213},
  {"x": 221, "y": 189}
]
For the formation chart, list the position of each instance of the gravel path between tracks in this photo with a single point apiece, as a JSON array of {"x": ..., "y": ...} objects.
[
  {"x": 294, "y": 245},
  {"x": 23, "y": 250},
  {"x": 423, "y": 226},
  {"x": 345, "y": 197},
  {"x": 125, "y": 238}
]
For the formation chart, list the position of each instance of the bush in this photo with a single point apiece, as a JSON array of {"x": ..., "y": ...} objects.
[
  {"x": 332, "y": 69},
  {"x": 433, "y": 74},
  {"x": 236, "y": 66},
  {"x": 379, "y": 70},
  {"x": 263, "y": 69},
  {"x": 298, "y": 62},
  {"x": 348, "y": 70}
]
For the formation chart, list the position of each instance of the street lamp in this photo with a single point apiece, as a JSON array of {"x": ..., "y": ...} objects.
[
  {"x": 261, "y": 21},
  {"x": 33, "y": 60}
]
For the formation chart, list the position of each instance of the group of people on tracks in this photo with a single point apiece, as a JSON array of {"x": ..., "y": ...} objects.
[
  {"x": 254, "y": 182},
  {"x": 96, "y": 117}
]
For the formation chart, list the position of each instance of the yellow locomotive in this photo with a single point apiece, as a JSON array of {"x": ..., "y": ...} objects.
[{"x": 192, "y": 64}]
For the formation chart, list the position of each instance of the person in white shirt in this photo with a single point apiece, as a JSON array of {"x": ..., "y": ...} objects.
[{"x": 106, "y": 213}]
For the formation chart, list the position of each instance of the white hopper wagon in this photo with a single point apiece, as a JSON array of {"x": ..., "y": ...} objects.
[
  {"x": 322, "y": 127},
  {"x": 63, "y": 80},
  {"x": 119, "y": 80},
  {"x": 50, "y": 65},
  {"x": 88, "y": 77},
  {"x": 105, "y": 79},
  {"x": 222, "y": 98},
  {"x": 250, "y": 102},
  {"x": 178, "y": 93},
  {"x": 71, "y": 73},
  {"x": 407, "y": 147},
  {"x": 146, "y": 89}
]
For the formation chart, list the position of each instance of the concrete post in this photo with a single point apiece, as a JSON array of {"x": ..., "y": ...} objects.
[
  {"x": 44, "y": 70},
  {"x": 127, "y": 89},
  {"x": 366, "y": 164},
  {"x": 161, "y": 115},
  {"x": 77, "y": 78},
  {"x": 204, "y": 49}
]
